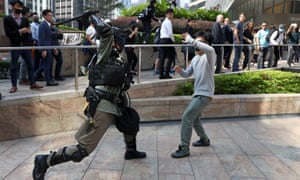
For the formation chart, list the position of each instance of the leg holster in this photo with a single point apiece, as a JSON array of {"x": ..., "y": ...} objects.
[
  {"x": 93, "y": 99},
  {"x": 73, "y": 153}
]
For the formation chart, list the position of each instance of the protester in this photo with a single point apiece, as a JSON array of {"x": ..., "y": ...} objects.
[{"x": 203, "y": 68}]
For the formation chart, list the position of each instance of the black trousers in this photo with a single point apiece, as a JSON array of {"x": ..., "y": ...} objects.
[{"x": 166, "y": 52}]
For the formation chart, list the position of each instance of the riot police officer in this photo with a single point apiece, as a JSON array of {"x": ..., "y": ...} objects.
[{"x": 105, "y": 86}]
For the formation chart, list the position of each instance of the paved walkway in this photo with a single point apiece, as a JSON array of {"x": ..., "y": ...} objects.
[{"x": 244, "y": 148}]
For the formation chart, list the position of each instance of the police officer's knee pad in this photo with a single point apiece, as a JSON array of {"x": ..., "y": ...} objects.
[{"x": 78, "y": 155}]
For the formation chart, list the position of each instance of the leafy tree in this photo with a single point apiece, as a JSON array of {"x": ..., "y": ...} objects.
[{"x": 106, "y": 7}]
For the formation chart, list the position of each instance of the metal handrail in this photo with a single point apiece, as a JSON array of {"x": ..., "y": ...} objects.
[{"x": 139, "y": 46}]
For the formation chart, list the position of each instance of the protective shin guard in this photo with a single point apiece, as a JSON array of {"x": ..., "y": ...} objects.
[{"x": 65, "y": 155}]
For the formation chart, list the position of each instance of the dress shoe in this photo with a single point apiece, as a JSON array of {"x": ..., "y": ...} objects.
[
  {"x": 52, "y": 83},
  {"x": 168, "y": 77},
  {"x": 39, "y": 79},
  {"x": 36, "y": 86},
  {"x": 24, "y": 82},
  {"x": 13, "y": 89},
  {"x": 59, "y": 79}
]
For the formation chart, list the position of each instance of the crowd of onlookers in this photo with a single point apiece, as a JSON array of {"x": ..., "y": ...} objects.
[
  {"x": 236, "y": 44},
  {"x": 23, "y": 28},
  {"x": 262, "y": 44}
]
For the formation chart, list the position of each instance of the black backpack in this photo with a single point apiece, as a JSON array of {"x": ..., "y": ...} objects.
[
  {"x": 156, "y": 38},
  {"x": 144, "y": 14},
  {"x": 270, "y": 34}
]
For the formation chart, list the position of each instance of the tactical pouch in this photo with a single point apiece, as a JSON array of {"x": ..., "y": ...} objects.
[
  {"x": 93, "y": 99},
  {"x": 114, "y": 75}
]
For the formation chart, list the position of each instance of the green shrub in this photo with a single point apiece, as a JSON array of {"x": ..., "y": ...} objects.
[
  {"x": 259, "y": 82},
  {"x": 161, "y": 7},
  {"x": 4, "y": 69}
]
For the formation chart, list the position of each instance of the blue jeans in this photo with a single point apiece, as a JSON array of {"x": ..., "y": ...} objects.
[
  {"x": 237, "y": 56},
  {"x": 191, "y": 118}
]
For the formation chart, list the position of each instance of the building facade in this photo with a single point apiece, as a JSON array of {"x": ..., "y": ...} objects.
[{"x": 271, "y": 11}]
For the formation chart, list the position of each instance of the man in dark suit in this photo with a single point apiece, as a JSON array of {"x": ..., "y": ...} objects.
[
  {"x": 45, "y": 39},
  {"x": 218, "y": 35},
  {"x": 17, "y": 29}
]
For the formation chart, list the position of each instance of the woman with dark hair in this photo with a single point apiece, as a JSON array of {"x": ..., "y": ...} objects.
[
  {"x": 247, "y": 40},
  {"x": 293, "y": 36}
]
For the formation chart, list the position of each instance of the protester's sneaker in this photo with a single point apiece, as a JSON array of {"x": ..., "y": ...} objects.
[
  {"x": 134, "y": 155},
  {"x": 40, "y": 167},
  {"x": 182, "y": 151},
  {"x": 83, "y": 70},
  {"x": 202, "y": 142}
]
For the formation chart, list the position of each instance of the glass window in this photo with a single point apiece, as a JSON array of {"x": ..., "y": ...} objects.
[
  {"x": 268, "y": 6},
  {"x": 278, "y": 6},
  {"x": 288, "y": 8}
]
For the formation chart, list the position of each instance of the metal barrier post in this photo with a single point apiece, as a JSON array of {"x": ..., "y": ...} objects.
[
  {"x": 76, "y": 69},
  {"x": 186, "y": 56},
  {"x": 249, "y": 56},
  {"x": 140, "y": 66}
]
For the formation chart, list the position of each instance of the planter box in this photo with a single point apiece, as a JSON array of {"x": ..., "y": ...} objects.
[{"x": 45, "y": 113}]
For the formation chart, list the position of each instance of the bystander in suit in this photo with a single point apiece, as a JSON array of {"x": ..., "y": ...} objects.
[
  {"x": 218, "y": 35},
  {"x": 45, "y": 39},
  {"x": 57, "y": 55},
  {"x": 228, "y": 40}
]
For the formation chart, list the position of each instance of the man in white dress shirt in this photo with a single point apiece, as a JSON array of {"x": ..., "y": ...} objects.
[{"x": 166, "y": 37}]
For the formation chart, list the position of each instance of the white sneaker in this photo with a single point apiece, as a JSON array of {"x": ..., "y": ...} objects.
[{"x": 82, "y": 70}]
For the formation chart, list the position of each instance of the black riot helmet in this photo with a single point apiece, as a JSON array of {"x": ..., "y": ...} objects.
[{"x": 104, "y": 30}]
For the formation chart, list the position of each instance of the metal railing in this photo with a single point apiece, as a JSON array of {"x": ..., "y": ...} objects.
[{"x": 138, "y": 46}]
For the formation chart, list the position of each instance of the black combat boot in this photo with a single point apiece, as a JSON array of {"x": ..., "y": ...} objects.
[
  {"x": 40, "y": 167},
  {"x": 132, "y": 153}
]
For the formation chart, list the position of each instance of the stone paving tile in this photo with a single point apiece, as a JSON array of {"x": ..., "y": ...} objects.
[
  {"x": 273, "y": 168},
  {"x": 230, "y": 156},
  {"x": 208, "y": 166}
]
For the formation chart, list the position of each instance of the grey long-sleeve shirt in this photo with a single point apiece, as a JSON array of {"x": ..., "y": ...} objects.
[{"x": 203, "y": 68}]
